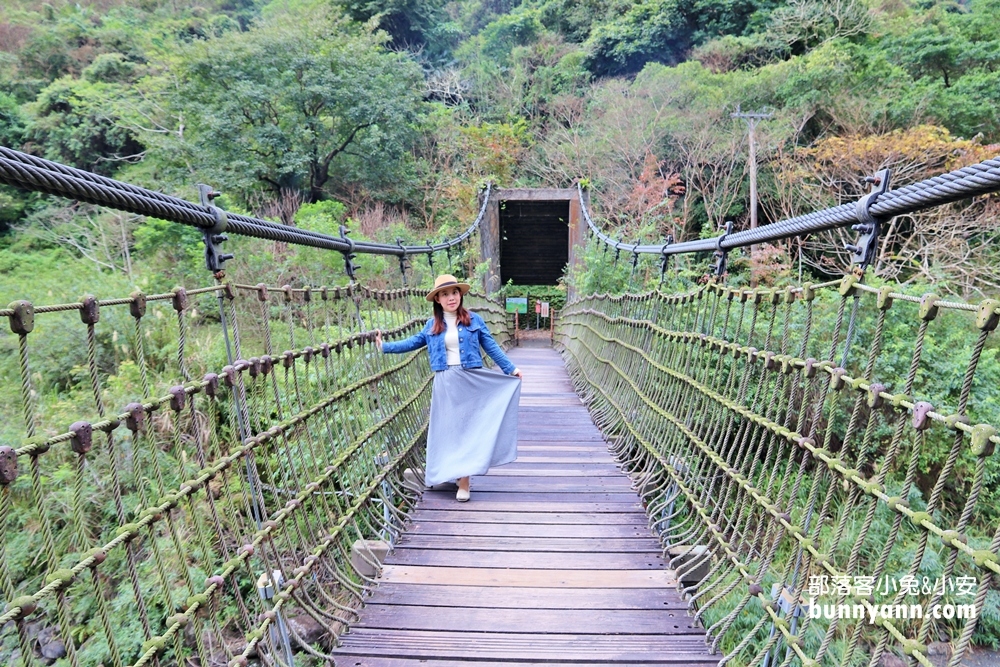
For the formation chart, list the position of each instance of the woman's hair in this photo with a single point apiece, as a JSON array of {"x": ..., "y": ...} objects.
[{"x": 463, "y": 317}]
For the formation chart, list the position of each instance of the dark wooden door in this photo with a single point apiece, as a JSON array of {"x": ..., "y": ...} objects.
[{"x": 534, "y": 241}]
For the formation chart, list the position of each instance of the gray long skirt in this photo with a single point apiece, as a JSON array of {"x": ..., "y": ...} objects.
[{"x": 473, "y": 423}]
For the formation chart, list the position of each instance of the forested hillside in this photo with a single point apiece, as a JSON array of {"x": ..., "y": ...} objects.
[{"x": 390, "y": 113}]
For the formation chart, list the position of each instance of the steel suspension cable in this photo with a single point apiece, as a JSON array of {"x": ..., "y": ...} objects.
[
  {"x": 36, "y": 174},
  {"x": 971, "y": 181}
]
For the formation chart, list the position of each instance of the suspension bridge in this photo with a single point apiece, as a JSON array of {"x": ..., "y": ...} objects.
[{"x": 724, "y": 476}]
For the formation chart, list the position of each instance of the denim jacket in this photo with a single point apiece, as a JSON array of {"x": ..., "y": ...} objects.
[{"x": 470, "y": 338}]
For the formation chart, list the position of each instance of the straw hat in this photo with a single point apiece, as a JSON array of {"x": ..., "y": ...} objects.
[{"x": 445, "y": 281}]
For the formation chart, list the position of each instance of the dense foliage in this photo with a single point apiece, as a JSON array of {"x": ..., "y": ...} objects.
[{"x": 398, "y": 109}]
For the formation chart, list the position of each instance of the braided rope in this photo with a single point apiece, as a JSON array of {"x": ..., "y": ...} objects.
[
  {"x": 702, "y": 402},
  {"x": 178, "y": 481}
]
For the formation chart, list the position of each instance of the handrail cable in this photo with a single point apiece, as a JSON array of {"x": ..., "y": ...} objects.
[
  {"x": 37, "y": 174},
  {"x": 971, "y": 181}
]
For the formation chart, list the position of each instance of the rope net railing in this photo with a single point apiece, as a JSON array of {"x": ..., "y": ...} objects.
[
  {"x": 223, "y": 484},
  {"x": 822, "y": 492}
]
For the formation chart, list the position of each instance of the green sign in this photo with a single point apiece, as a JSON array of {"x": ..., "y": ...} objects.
[{"x": 517, "y": 305}]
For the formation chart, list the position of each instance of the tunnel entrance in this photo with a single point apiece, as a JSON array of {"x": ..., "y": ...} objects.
[
  {"x": 534, "y": 241},
  {"x": 530, "y": 235}
]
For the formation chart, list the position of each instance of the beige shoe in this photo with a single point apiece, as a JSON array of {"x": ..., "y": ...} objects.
[{"x": 463, "y": 495}]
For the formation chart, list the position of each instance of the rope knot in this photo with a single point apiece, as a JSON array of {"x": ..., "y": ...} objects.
[
  {"x": 90, "y": 309},
  {"x": 921, "y": 415},
  {"x": 928, "y": 307},
  {"x": 178, "y": 398},
  {"x": 135, "y": 418},
  {"x": 179, "y": 300},
  {"x": 211, "y": 381},
  {"x": 26, "y": 604},
  {"x": 137, "y": 307},
  {"x": 982, "y": 440}
]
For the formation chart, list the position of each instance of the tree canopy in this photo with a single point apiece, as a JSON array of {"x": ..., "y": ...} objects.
[
  {"x": 304, "y": 107},
  {"x": 396, "y": 109}
]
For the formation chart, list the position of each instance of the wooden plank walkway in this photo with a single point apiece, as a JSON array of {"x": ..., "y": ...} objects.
[{"x": 550, "y": 563}]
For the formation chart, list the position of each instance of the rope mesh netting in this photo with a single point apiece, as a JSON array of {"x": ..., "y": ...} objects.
[
  {"x": 225, "y": 514},
  {"x": 784, "y": 443}
]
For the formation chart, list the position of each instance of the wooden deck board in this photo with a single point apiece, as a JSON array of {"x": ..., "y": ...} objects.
[
  {"x": 447, "y": 501},
  {"x": 551, "y": 562},
  {"x": 506, "y": 518},
  {"x": 529, "y": 621},
  {"x": 527, "y": 560},
  {"x": 444, "y": 595},
  {"x": 368, "y": 661},
  {"x": 545, "y": 544},
  {"x": 509, "y": 647},
  {"x": 529, "y": 530},
  {"x": 505, "y": 577}
]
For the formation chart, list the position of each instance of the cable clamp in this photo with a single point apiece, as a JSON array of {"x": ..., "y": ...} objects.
[
  {"x": 349, "y": 266},
  {"x": 664, "y": 257},
  {"x": 722, "y": 256},
  {"x": 402, "y": 259},
  {"x": 213, "y": 236},
  {"x": 868, "y": 226}
]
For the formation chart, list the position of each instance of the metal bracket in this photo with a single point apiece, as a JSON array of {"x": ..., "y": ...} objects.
[
  {"x": 665, "y": 258},
  {"x": 402, "y": 260},
  {"x": 635, "y": 263},
  {"x": 722, "y": 256},
  {"x": 863, "y": 251},
  {"x": 349, "y": 266},
  {"x": 447, "y": 251},
  {"x": 430, "y": 257},
  {"x": 213, "y": 236}
]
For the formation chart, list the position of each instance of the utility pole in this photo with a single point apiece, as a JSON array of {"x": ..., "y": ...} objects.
[{"x": 751, "y": 119}]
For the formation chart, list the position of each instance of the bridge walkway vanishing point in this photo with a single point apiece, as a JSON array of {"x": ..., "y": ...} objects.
[{"x": 551, "y": 562}]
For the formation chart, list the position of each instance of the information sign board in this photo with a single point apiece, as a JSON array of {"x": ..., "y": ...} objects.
[{"x": 517, "y": 305}]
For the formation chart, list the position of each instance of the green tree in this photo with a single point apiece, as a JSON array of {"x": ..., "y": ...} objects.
[
  {"x": 508, "y": 32},
  {"x": 73, "y": 122},
  {"x": 650, "y": 31},
  {"x": 931, "y": 51},
  {"x": 302, "y": 104},
  {"x": 418, "y": 25},
  {"x": 12, "y": 122}
]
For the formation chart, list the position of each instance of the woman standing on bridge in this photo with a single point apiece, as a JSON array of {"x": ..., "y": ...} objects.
[{"x": 473, "y": 422}]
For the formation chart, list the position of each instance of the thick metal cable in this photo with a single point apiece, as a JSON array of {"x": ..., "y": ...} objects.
[
  {"x": 35, "y": 174},
  {"x": 954, "y": 186}
]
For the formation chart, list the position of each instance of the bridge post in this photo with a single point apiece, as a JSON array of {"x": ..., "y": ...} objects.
[
  {"x": 577, "y": 228},
  {"x": 489, "y": 243}
]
